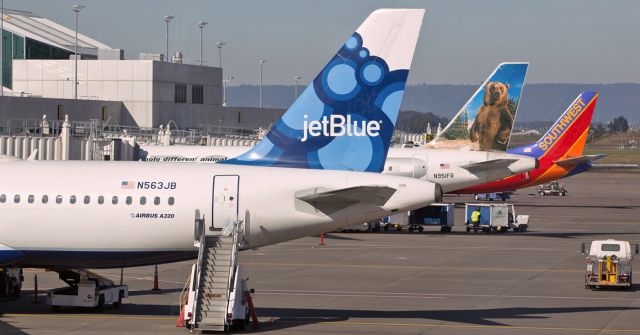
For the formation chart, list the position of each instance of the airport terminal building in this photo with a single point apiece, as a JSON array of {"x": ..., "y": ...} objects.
[{"x": 38, "y": 79}]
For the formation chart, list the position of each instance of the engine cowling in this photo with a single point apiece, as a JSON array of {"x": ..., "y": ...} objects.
[{"x": 406, "y": 167}]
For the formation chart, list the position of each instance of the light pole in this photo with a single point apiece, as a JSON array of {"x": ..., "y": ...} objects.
[
  {"x": 201, "y": 25},
  {"x": 168, "y": 19},
  {"x": 224, "y": 90},
  {"x": 220, "y": 45},
  {"x": 77, "y": 9},
  {"x": 295, "y": 89},
  {"x": 261, "y": 63}
]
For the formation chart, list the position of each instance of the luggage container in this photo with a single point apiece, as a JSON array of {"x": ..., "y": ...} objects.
[{"x": 441, "y": 215}]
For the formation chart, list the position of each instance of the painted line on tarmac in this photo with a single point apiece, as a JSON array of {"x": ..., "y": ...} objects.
[
  {"x": 86, "y": 316},
  {"x": 142, "y": 278},
  {"x": 450, "y": 326},
  {"x": 415, "y": 267},
  {"x": 354, "y": 246},
  {"x": 421, "y": 295},
  {"x": 346, "y": 294}
]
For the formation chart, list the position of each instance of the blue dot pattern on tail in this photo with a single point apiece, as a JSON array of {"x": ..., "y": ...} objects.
[{"x": 343, "y": 120}]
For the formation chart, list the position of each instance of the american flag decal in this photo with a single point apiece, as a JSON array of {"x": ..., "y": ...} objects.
[
  {"x": 444, "y": 165},
  {"x": 128, "y": 185}
]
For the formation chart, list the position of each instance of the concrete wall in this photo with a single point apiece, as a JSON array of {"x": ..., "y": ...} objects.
[
  {"x": 190, "y": 116},
  {"x": 78, "y": 110},
  {"x": 145, "y": 87}
]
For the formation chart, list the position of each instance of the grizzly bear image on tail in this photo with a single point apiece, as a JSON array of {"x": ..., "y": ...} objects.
[{"x": 492, "y": 125}]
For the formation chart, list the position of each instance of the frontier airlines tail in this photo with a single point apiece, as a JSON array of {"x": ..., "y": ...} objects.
[
  {"x": 486, "y": 120},
  {"x": 345, "y": 117}
]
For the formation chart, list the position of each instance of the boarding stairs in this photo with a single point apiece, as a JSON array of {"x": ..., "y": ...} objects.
[
  {"x": 216, "y": 269},
  {"x": 218, "y": 298}
]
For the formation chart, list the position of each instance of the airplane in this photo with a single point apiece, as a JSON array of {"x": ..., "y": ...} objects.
[
  {"x": 452, "y": 169},
  {"x": 559, "y": 150},
  {"x": 79, "y": 214},
  {"x": 461, "y": 132}
]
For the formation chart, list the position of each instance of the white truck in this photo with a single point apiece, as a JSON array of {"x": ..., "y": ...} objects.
[
  {"x": 86, "y": 289},
  {"x": 495, "y": 217},
  {"x": 609, "y": 264}
]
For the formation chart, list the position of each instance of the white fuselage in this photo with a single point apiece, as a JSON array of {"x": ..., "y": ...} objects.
[
  {"x": 437, "y": 165},
  {"x": 443, "y": 166},
  {"x": 38, "y": 218}
]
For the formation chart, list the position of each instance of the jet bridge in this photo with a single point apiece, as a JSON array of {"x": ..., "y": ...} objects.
[{"x": 217, "y": 298}]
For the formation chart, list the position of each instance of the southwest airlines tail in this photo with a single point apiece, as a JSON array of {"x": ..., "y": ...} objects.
[
  {"x": 345, "y": 117},
  {"x": 486, "y": 120},
  {"x": 564, "y": 142}
]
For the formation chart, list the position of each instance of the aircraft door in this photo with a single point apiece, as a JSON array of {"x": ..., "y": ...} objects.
[{"x": 225, "y": 200}]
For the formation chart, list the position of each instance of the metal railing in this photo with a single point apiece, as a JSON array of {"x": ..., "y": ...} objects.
[{"x": 106, "y": 129}]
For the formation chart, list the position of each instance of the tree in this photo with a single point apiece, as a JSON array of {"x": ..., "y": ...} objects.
[
  {"x": 619, "y": 125},
  {"x": 512, "y": 104},
  {"x": 459, "y": 129},
  {"x": 597, "y": 131}
]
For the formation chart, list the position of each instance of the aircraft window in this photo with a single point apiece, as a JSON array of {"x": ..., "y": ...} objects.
[
  {"x": 100, "y": 200},
  {"x": 72, "y": 199},
  {"x": 171, "y": 201},
  {"x": 129, "y": 200},
  {"x": 45, "y": 199},
  {"x": 58, "y": 199},
  {"x": 31, "y": 198},
  {"x": 390, "y": 168},
  {"x": 16, "y": 198},
  {"x": 114, "y": 200},
  {"x": 156, "y": 201},
  {"x": 87, "y": 199},
  {"x": 143, "y": 200},
  {"x": 3, "y": 198}
]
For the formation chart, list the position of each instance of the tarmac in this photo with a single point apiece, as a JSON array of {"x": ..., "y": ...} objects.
[{"x": 400, "y": 282}]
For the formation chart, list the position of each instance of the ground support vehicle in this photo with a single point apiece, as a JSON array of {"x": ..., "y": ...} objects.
[
  {"x": 86, "y": 289},
  {"x": 495, "y": 217},
  {"x": 552, "y": 188},
  {"x": 504, "y": 196},
  {"x": 439, "y": 214},
  {"x": 609, "y": 264}
]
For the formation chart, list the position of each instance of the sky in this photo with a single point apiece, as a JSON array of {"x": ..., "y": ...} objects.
[{"x": 569, "y": 41}]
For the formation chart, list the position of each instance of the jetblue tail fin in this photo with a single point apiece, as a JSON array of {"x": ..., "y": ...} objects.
[
  {"x": 345, "y": 117},
  {"x": 568, "y": 135},
  {"x": 486, "y": 120}
]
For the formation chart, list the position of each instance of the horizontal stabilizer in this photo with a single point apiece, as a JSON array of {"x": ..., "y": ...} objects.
[
  {"x": 334, "y": 200},
  {"x": 579, "y": 160},
  {"x": 494, "y": 164}
]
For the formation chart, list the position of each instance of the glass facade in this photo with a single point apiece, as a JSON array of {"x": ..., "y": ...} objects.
[
  {"x": 39, "y": 50},
  {"x": 7, "y": 51},
  {"x": 17, "y": 47},
  {"x": 12, "y": 48}
]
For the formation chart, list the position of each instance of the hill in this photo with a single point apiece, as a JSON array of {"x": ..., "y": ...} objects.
[{"x": 540, "y": 102}]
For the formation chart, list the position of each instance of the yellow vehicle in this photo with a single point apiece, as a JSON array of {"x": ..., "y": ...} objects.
[{"x": 609, "y": 264}]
